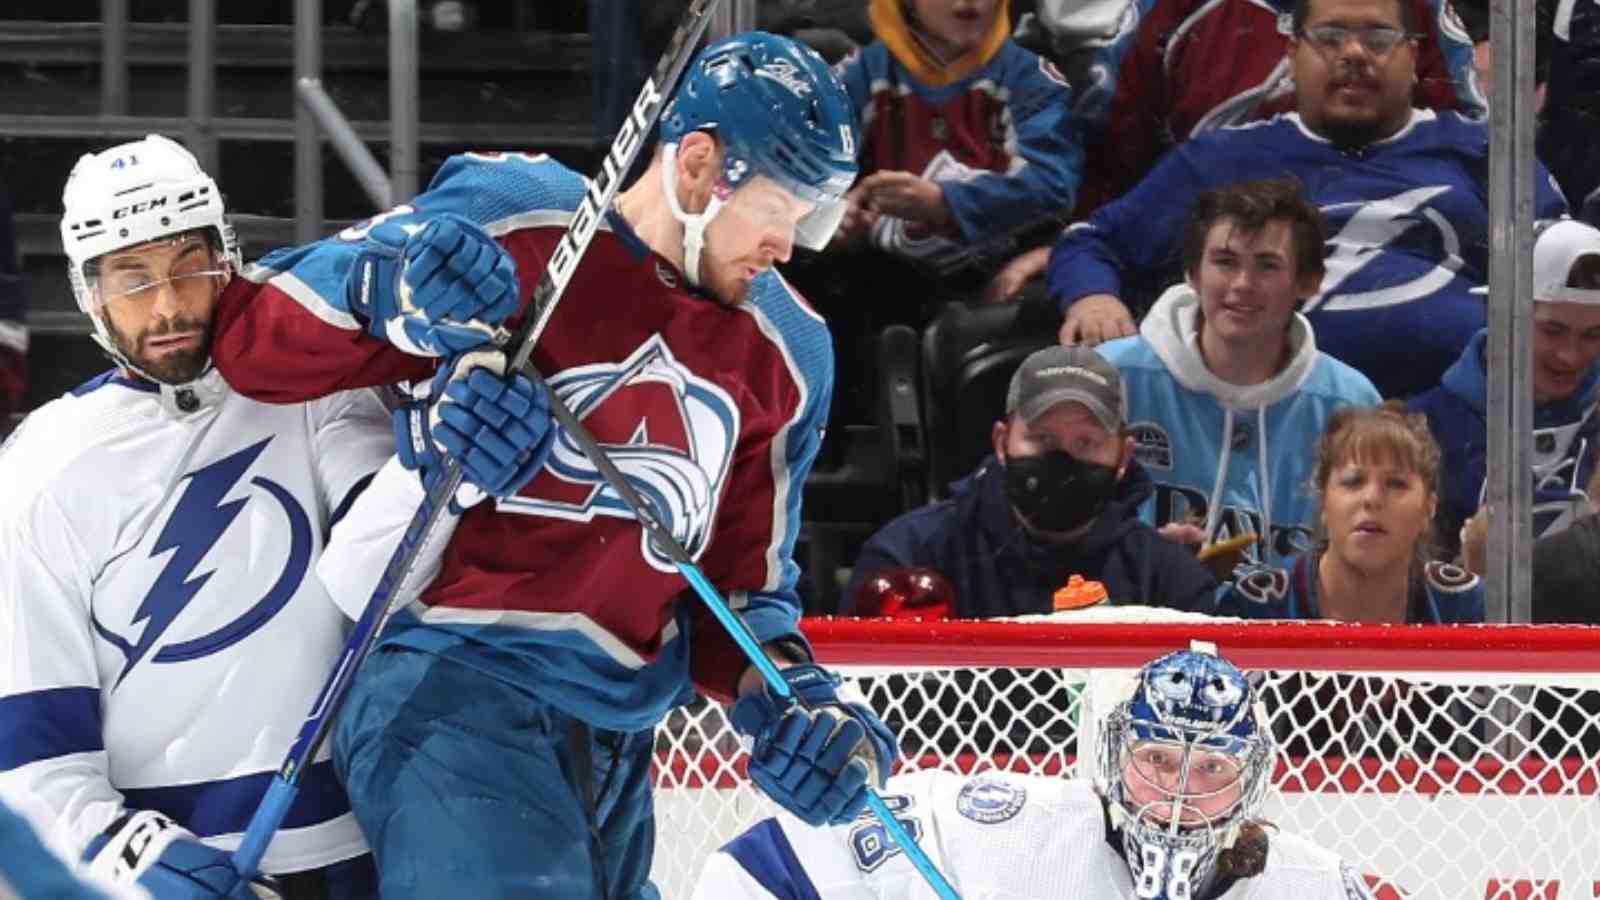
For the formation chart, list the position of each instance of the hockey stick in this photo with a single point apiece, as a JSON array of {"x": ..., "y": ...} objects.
[
  {"x": 280, "y": 795},
  {"x": 736, "y": 627}
]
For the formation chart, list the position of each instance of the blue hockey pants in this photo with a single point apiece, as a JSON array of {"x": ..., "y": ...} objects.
[{"x": 468, "y": 787}]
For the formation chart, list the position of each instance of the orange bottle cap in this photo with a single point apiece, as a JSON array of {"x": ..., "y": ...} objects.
[{"x": 1079, "y": 594}]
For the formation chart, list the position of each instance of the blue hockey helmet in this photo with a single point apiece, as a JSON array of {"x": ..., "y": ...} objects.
[
  {"x": 1184, "y": 762},
  {"x": 777, "y": 111}
]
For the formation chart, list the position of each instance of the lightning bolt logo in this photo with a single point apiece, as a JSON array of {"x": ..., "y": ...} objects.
[
  {"x": 1373, "y": 230},
  {"x": 196, "y": 523}
]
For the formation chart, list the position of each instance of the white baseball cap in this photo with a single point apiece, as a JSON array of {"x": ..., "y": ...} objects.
[{"x": 1560, "y": 244}]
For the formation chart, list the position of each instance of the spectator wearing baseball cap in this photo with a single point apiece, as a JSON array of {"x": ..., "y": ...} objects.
[
  {"x": 1060, "y": 497},
  {"x": 1228, "y": 389},
  {"x": 1566, "y": 385}
]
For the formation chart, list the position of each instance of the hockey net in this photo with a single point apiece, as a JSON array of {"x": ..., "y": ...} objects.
[{"x": 1443, "y": 762}]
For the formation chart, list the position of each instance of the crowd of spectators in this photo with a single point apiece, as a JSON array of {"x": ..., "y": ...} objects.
[{"x": 1259, "y": 233}]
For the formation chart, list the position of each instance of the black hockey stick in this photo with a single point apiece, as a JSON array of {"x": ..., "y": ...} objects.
[{"x": 569, "y": 252}]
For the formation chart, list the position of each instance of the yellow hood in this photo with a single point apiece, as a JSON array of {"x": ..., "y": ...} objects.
[{"x": 890, "y": 25}]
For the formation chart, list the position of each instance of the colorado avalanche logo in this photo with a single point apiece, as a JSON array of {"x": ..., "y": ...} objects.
[{"x": 670, "y": 432}]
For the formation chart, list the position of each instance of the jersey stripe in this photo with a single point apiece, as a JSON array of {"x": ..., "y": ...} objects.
[
  {"x": 47, "y": 724},
  {"x": 765, "y": 852},
  {"x": 210, "y": 808}
]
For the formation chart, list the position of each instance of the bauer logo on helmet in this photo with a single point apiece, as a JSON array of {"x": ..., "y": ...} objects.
[{"x": 787, "y": 74}]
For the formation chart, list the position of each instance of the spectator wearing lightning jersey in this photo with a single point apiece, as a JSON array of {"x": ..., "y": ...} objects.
[
  {"x": 1404, "y": 191},
  {"x": 1174, "y": 69},
  {"x": 1566, "y": 386}
]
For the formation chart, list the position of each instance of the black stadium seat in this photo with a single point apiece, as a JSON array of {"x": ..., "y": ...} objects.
[{"x": 968, "y": 356}]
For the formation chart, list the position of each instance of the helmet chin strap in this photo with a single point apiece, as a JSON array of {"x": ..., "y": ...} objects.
[{"x": 694, "y": 224}]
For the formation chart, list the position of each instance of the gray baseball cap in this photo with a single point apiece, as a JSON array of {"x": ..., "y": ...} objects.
[{"x": 1058, "y": 374}]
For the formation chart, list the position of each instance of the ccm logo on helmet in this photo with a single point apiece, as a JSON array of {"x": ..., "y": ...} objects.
[{"x": 136, "y": 208}]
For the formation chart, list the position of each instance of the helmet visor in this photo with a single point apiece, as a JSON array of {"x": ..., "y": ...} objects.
[
  {"x": 816, "y": 228},
  {"x": 185, "y": 264},
  {"x": 763, "y": 206}
]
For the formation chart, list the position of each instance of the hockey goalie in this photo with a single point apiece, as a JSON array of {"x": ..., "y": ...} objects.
[{"x": 1182, "y": 768}]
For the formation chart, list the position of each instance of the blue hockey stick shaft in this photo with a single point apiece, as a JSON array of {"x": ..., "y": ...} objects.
[
  {"x": 736, "y": 627},
  {"x": 602, "y": 189}
]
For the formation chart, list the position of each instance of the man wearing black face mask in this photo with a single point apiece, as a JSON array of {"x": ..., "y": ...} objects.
[{"x": 1060, "y": 497}]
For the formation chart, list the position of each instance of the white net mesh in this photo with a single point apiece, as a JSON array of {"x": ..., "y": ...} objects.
[{"x": 1447, "y": 785}]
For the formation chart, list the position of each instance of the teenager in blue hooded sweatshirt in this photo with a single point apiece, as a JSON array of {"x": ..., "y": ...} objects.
[
  {"x": 1566, "y": 385},
  {"x": 1059, "y": 498},
  {"x": 1227, "y": 389}
]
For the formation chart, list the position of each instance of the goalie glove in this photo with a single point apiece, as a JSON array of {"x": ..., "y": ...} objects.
[
  {"x": 432, "y": 289},
  {"x": 498, "y": 427},
  {"x": 148, "y": 849},
  {"x": 818, "y": 757}
]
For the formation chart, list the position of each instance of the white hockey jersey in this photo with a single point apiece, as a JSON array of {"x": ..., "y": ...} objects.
[
  {"x": 995, "y": 836},
  {"x": 162, "y": 631}
]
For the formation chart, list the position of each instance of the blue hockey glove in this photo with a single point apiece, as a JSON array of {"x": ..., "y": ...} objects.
[
  {"x": 816, "y": 758},
  {"x": 434, "y": 289},
  {"x": 149, "y": 849},
  {"x": 498, "y": 427}
]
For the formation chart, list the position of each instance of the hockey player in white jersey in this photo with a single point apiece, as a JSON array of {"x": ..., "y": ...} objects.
[
  {"x": 162, "y": 629},
  {"x": 1181, "y": 771}
]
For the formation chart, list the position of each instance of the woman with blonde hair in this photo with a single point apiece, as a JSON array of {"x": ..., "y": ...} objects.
[{"x": 1377, "y": 487}]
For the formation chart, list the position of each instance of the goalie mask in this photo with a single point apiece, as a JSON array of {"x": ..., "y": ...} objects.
[
  {"x": 778, "y": 112},
  {"x": 132, "y": 194},
  {"x": 1183, "y": 764}
]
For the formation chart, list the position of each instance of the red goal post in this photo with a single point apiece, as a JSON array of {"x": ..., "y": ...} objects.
[{"x": 1451, "y": 761}]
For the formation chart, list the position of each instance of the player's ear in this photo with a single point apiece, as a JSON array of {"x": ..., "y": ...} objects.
[{"x": 699, "y": 164}]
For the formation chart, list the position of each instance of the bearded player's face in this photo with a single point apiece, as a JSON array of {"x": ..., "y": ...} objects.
[
  {"x": 157, "y": 301},
  {"x": 754, "y": 231}
]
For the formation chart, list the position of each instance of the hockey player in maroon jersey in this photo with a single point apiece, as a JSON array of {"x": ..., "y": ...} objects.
[{"x": 498, "y": 740}]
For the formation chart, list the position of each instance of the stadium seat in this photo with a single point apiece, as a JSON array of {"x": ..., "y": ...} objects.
[
  {"x": 968, "y": 356},
  {"x": 873, "y": 473}
]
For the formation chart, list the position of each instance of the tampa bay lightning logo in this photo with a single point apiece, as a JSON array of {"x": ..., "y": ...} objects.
[
  {"x": 669, "y": 431},
  {"x": 197, "y": 521},
  {"x": 1365, "y": 266},
  {"x": 990, "y": 802}
]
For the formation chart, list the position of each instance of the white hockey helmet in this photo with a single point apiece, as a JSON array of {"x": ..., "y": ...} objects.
[{"x": 131, "y": 194}]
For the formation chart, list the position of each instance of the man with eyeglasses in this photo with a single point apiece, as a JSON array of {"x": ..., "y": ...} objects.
[
  {"x": 1155, "y": 79},
  {"x": 162, "y": 629},
  {"x": 1404, "y": 190}
]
